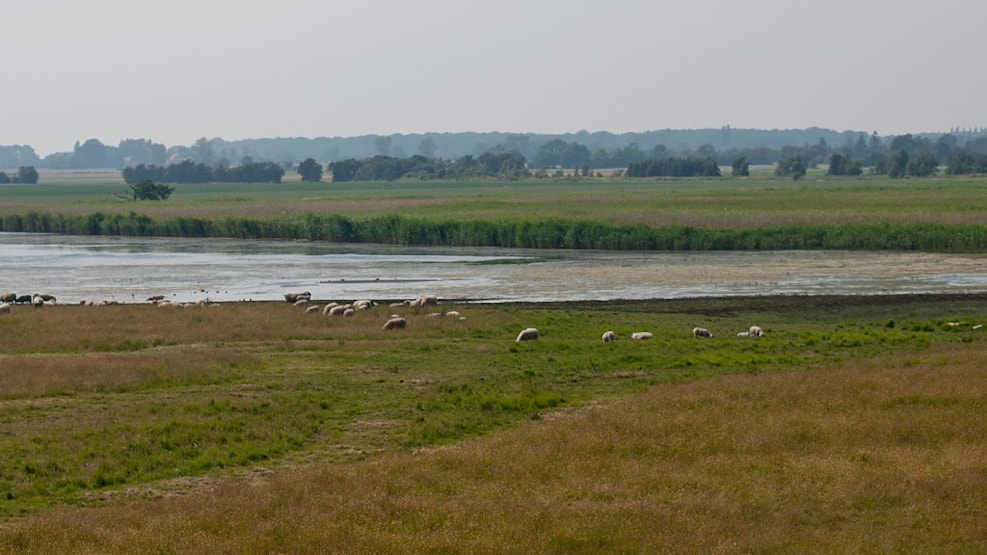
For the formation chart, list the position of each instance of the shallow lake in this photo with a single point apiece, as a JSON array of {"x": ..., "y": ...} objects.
[{"x": 130, "y": 269}]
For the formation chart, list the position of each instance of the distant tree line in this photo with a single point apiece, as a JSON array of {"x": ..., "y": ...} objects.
[
  {"x": 506, "y": 165},
  {"x": 188, "y": 171},
  {"x": 674, "y": 167},
  {"x": 959, "y": 151}
]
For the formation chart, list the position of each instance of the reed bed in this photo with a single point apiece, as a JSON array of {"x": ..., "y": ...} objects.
[{"x": 545, "y": 233}]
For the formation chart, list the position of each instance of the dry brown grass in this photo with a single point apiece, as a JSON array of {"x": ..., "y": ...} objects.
[{"x": 880, "y": 455}]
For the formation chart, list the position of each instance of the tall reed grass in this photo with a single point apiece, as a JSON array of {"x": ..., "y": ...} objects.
[{"x": 553, "y": 233}]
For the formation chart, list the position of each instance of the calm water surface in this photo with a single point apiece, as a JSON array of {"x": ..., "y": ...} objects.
[{"x": 130, "y": 269}]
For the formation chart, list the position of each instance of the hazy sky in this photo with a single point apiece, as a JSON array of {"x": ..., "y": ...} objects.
[{"x": 174, "y": 71}]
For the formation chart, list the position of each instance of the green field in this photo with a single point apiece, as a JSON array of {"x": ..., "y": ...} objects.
[
  {"x": 158, "y": 418},
  {"x": 854, "y": 426},
  {"x": 759, "y": 212}
]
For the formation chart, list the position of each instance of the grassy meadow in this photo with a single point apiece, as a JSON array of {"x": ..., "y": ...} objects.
[
  {"x": 727, "y": 202},
  {"x": 758, "y": 212},
  {"x": 855, "y": 425}
]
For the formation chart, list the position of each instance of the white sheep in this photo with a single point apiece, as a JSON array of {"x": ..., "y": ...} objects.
[
  {"x": 609, "y": 337},
  {"x": 4, "y": 308},
  {"x": 756, "y": 331},
  {"x": 395, "y": 323},
  {"x": 701, "y": 332},
  {"x": 642, "y": 335},
  {"x": 295, "y": 296},
  {"x": 424, "y": 300},
  {"x": 527, "y": 334},
  {"x": 314, "y": 309}
]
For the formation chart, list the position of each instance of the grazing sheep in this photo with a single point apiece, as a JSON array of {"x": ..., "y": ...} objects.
[
  {"x": 978, "y": 327},
  {"x": 744, "y": 334},
  {"x": 395, "y": 323},
  {"x": 453, "y": 314},
  {"x": 314, "y": 309},
  {"x": 329, "y": 307},
  {"x": 701, "y": 332},
  {"x": 293, "y": 297},
  {"x": 349, "y": 312},
  {"x": 24, "y": 299},
  {"x": 424, "y": 300},
  {"x": 44, "y": 296},
  {"x": 338, "y": 310},
  {"x": 609, "y": 337},
  {"x": 8, "y": 297},
  {"x": 362, "y": 305},
  {"x": 4, "y": 308},
  {"x": 642, "y": 335},
  {"x": 527, "y": 334},
  {"x": 756, "y": 331}
]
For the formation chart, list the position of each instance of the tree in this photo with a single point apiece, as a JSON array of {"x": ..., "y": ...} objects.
[
  {"x": 310, "y": 170},
  {"x": 383, "y": 146},
  {"x": 344, "y": 170},
  {"x": 741, "y": 168},
  {"x": 27, "y": 174},
  {"x": 793, "y": 167},
  {"x": 147, "y": 190},
  {"x": 91, "y": 154},
  {"x": 840, "y": 164},
  {"x": 427, "y": 148},
  {"x": 923, "y": 165},
  {"x": 962, "y": 162},
  {"x": 550, "y": 153},
  {"x": 897, "y": 164},
  {"x": 4, "y": 178}
]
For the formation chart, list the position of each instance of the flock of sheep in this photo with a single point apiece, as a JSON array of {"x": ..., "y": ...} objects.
[
  {"x": 36, "y": 299},
  {"x": 304, "y": 298},
  {"x": 609, "y": 336}
]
